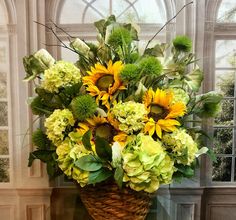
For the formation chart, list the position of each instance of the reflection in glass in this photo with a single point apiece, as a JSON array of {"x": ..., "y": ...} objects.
[
  {"x": 3, "y": 85},
  {"x": 225, "y": 82},
  {"x": 85, "y": 11},
  {"x": 227, "y": 11},
  {"x": 226, "y": 116},
  {"x": 4, "y": 170},
  {"x": 223, "y": 140},
  {"x": 225, "y": 53},
  {"x": 3, "y": 114},
  {"x": 222, "y": 169},
  {"x": 3, "y": 142}
]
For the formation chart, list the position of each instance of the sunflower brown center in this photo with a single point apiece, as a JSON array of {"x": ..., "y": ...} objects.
[
  {"x": 105, "y": 131},
  {"x": 105, "y": 82},
  {"x": 158, "y": 112}
]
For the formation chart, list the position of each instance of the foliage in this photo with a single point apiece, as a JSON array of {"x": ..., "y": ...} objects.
[{"x": 120, "y": 114}]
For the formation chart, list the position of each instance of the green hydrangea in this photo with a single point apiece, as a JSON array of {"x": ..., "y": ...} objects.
[
  {"x": 146, "y": 165},
  {"x": 179, "y": 95},
  {"x": 59, "y": 75},
  {"x": 57, "y": 123},
  {"x": 182, "y": 146},
  {"x": 131, "y": 116},
  {"x": 150, "y": 66},
  {"x": 182, "y": 43},
  {"x": 68, "y": 152}
]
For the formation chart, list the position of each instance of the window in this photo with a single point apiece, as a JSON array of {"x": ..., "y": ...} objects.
[
  {"x": 221, "y": 41},
  {"x": 4, "y": 100}
]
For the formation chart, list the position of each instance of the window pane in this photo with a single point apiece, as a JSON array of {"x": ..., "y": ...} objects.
[
  {"x": 4, "y": 170},
  {"x": 3, "y": 85},
  {"x": 222, "y": 169},
  {"x": 225, "y": 53},
  {"x": 3, "y": 142},
  {"x": 3, "y": 114},
  {"x": 224, "y": 82},
  {"x": 227, "y": 11},
  {"x": 223, "y": 140},
  {"x": 226, "y": 116},
  {"x": 85, "y": 11}
]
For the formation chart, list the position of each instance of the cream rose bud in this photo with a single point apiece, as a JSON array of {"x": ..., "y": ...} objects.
[
  {"x": 37, "y": 63},
  {"x": 80, "y": 46}
]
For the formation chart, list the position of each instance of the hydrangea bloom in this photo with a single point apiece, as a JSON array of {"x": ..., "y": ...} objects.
[
  {"x": 179, "y": 96},
  {"x": 146, "y": 164},
  {"x": 60, "y": 74},
  {"x": 68, "y": 153},
  {"x": 131, "y": 116},
  {"x": 183, "y": 147},
  {"x": 57, "y": 123}
]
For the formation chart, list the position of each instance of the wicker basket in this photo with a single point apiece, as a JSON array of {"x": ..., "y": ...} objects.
[{"x": 108, "y": 202}]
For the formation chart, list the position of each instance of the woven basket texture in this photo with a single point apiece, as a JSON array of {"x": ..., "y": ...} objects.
[{"x": 108, "y": 202}]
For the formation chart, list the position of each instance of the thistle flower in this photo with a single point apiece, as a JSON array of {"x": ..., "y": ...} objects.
[
  {"x": 119, "y": 36},
  {"x": 130, "y": 72},
  {"x": 83, "y": 107},
  {"x": 182, "y": 43},
  {"x": 150, "y": 66}
]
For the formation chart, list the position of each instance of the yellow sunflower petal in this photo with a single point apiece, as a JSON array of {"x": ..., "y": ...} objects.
[
  {"x": 150, "y": 127},
  {"x": 121, "y": 138},
  {"x": 176, "y": 110},
  {"x": 158, "y": 131},
  {"x": 168, "y": 124}
]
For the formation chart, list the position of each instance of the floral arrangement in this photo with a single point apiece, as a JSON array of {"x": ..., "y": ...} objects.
[{"x": 118, "y": 113}]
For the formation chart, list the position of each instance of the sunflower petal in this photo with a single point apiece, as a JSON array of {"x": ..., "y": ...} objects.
[{"x": 176, "y": 110}]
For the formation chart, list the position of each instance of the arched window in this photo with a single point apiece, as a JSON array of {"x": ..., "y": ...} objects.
[
  {"x": 221, "y": 44},
  {"x": 4, "y": 99},
  {"x": 77, "y": 17}
]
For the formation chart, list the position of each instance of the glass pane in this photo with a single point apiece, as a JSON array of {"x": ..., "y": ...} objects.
[
  {"x": 223, "y": 140},
  {"x": 4, "y": 170},
  {"x": 224, "y": 82},
  {"x": 3, "y": 114},
  {"x": 222, "y": 169},
  {"x": 3, "y": 142},
  {"x": 226, "y": 116},
  {"x": 85, "y": 11},
  {"x": 3, "y": 85},
  {"x": 225, "y": 53},
  {"x": 227, "y": 11}
]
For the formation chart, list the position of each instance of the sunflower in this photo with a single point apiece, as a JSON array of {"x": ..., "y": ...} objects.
[
  {"x": 103, "y": 82},
  {"x": 102, "y": 127},
  {"x": 162, "y": 113}
]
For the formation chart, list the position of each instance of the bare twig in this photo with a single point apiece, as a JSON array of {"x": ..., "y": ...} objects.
[
  {"x": 65, "y": 32},
  {"x": 166, "y": 24},
  {"x": 59, "y": 39}
]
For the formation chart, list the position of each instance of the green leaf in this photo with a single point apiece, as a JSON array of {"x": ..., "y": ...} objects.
[
  {"x": 73, "y": 90},
  {"x": 201, "y": 151},
  {"x": 88, "y": 163},
  {"x": 43, "y": 155},
  {"x": 158, "y": 50},
  {"x": 99, "y": 176},
  {"x": 40, "y": 140},
  {"x": 194, "y": 79},
  {"x": 103, "y": 148},
  {"x": 118, "y": 176},
  {"x": 185, "y": 170},
  {"x": 212, "y": 155},
  {"x": 86, "y": 140}
]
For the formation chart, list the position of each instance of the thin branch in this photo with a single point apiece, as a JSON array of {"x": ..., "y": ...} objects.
[
  {"x": 59, "y": 39},
  {"x": 166, "y": 24},
  {"x": 65, "y": 32}
]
